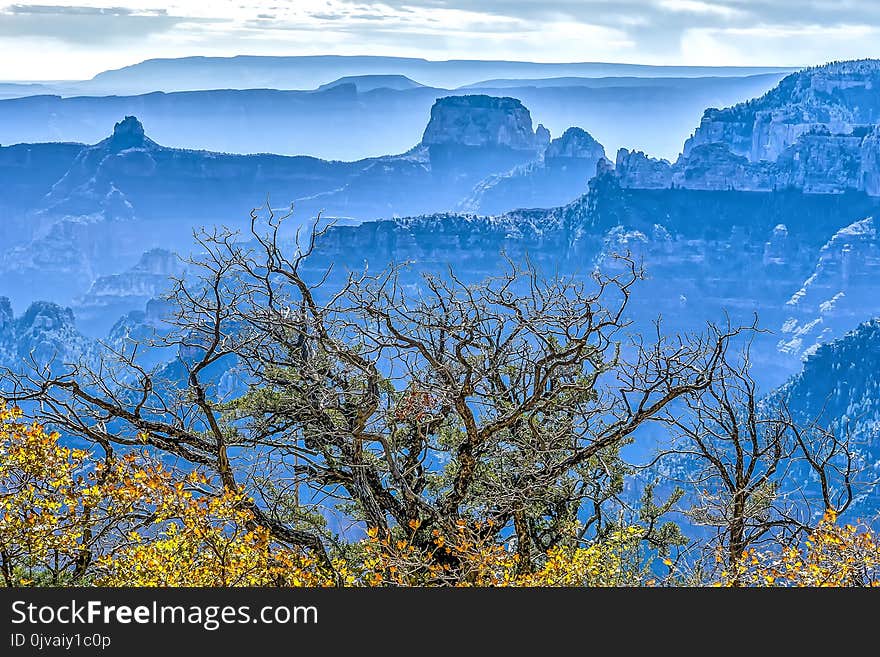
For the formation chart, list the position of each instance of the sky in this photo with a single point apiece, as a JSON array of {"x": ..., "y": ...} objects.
[{"x": 76, "y": 40}]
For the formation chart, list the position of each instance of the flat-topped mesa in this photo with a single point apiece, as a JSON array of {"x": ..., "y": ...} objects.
[{"x": 481, "y": 121}]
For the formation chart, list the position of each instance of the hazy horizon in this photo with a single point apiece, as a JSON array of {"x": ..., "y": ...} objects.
[
  {"x": 75, "y": 41},
  {"x": 769, "y": 67}
]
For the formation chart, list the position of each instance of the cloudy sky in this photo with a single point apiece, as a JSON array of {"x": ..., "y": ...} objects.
[{"x": 74, "y": 40}]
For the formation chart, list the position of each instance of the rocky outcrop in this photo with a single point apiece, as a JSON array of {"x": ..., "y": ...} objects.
[
  {"x": 91, "y": 185},
  {"x": 705, "y": 253},
  {"x": 714, "y": 166},
  {"x": 542, "y": 137},
  {"x": 869, "y": 172},
  {"x": 637, "y": 170},
  {"x": 818, "y": 162},
  {"x": 130, "y": 177},
  {"x": 840, "y": 384},
  {"x": 568, "y": 163},
  {"x": 577, "y": 144},
  {"x": 816, "y": 131},
  {"x": 128, "y": 133},
  {"x": 110, "y": 201},
  {"x": 480, "y": 121}
]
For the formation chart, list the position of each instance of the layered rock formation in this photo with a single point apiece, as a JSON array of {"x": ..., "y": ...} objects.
[
  {"x": 77, "y": 213},
  {"x": 718, "y": 231},
  {"x": 635, "y": 169},
  {"x": 840, "y": 96},
  {"x": 840, "y": 383},
  {"x": 574, "y": 144},
  {"x": 707, "y": 254},
  {"x": 816, "y": 131},
  {"x": 130, "y": 177}
]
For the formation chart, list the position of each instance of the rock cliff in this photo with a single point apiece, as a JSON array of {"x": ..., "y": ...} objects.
[
  {"x": 78, "y": 213},
  {"x": 840, "y": 96},
  {"x": 705, "y": 252},
  {"x": 635, "y": 169},
  {"x": 816, "y": 131}
]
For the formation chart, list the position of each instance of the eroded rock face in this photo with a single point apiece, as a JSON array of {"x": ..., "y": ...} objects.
[
  {"x": 838, "y": 390},
  {"x": 822, "y": 163},
  {"x": 706, "y": 253},
  {"x": 112, "y": 295},
  {"x": 575, "y": 143},
  {"x": 638, "y": 171},
  {"x": 110, "y": 201},
  {"x": 542, "y": 136},
  {"x": 840, "y": 96},
  {"x": 714, "y": 166},
  {"x": 869, "y": 173},
  {"x": 480, "y": 121},
  {"x": 816, "y": 131}
]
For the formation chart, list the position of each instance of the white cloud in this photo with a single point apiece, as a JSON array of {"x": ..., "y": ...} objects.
[
  {"x": 699, "y": 7},
  {"x": 780, "y": 45}
]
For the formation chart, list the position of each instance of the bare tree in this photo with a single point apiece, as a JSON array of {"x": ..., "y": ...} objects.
[
  {"x": 757, "y": 477},
  {"x": 389, "y": 401}
]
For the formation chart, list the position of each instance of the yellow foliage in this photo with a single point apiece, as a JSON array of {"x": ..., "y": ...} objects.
[
  {"x": 206, "y": 541},
  {"x": 41, "y": 499},
  {"x": 604, "y": 563},
  {"x": 135, "y": 523},
  {"x": 833, "y": 555},
  {"x": 462, "y": 559},
  {"x": 128, "y": 521}
]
